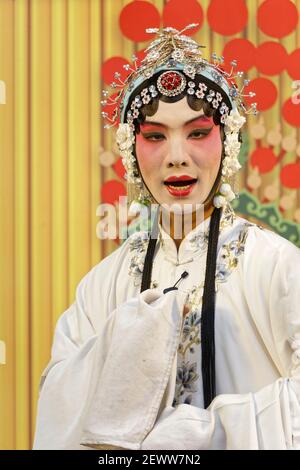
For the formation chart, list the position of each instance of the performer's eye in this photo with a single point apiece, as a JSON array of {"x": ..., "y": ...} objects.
[
  {"x": 200, "y": 133},
  {"x": 154, "y": 137},
  {"x": 196, "y": 134}
]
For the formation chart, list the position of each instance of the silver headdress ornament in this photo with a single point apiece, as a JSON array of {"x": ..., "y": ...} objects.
[{"x": 179, "y": 59}]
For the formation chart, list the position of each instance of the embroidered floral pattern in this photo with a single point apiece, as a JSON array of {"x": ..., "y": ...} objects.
[
  {"x": 228, "y": 217},
  {"x": 191, "y": 332},
  {"x": 194, "y": 298},
  {"x": 186, "y": 381},
  {"x": 226, "y": 263},
  {"x": 138, "y": 244},
  {"x": 228, "y": 258},
  {"x": 200, "y": 240}
]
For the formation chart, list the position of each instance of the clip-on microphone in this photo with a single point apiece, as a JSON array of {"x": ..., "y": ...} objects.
[{"x": 183, "y": 275}]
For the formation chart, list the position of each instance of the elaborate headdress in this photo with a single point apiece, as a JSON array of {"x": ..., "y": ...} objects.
[{"x": 178, "y": 61}]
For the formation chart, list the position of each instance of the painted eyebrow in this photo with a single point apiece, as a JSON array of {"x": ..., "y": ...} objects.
[{"x": 154, "y": 123}]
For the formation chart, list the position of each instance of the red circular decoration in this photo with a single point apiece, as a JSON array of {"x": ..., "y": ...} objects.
[
  {"x": 291, "y": 112},
  {"x": 111, "y": 66},
  {"x": 136, "y": 17},
  {"x": 271, "y": 58},
  {"x": 242, "y": 50},
  {"x": 290, "y": 176},
  {"x": 277, "y": 18},
  {"x": 111, "y": 190},
  {"x": 170, "y": 82},
  {"x": 266, "y": 93},
  {"x": 119, "y": 168},
  {"x": 264, "y": 159},
  {"x": 293, "y": 64},
  {"x": 228, "y": 17},
  {"x": 179, "y": 14}
]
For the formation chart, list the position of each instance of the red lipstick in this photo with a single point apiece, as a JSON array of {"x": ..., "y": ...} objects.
[
  {"x": 180, "y": 186},
  {"x": 179, "y": 178}
]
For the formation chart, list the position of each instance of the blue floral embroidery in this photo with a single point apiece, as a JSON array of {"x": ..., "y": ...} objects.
[
  {"x": 138, "y": 244},
  {"x": 186, "y": 381},
  {"x": 191, "y": 331},
  {"x": 200, "y": 239}
]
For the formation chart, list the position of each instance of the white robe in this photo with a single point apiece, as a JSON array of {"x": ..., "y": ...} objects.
[{"x": 125, "y": 369}]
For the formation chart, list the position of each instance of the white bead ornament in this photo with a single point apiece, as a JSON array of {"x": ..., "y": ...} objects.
[{"x": 224, "y": 195}]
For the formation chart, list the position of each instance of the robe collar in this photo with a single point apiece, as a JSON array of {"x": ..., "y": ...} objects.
[{"x": 196, "y": 241}]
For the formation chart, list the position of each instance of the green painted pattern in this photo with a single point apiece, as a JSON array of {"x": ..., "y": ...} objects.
[{"x": 267, "y": 215}]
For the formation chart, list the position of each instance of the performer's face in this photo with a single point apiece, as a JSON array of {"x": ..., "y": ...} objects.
[{"x": 178, "y": 135}]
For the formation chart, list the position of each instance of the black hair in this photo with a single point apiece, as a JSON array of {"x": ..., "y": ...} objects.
[{"x": 195, "y": 103}]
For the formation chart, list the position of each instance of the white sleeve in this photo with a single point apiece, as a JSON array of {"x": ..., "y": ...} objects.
[
  {"x": 67, "y": 382},
  {"x": 106, "y": 388},
  {"x": 270, "y": 417},
  {"x": 136, "y": 372}
]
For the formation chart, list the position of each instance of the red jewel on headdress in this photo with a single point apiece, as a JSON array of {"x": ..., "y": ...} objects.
[{"x": 171, "y": 83}]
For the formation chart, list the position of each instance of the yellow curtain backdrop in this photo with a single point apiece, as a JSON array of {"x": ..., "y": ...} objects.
[
  {"x": 51, "y": 53},
  {"x": 50, "y": 60}
]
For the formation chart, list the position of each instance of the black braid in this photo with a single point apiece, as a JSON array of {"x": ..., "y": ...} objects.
[
  {"x": 208, "y": 312},
  {"x": 147, "y": 271},
  {"x": 208, "y": 304}
]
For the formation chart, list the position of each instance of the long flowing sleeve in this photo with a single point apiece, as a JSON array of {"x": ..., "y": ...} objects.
[
  {"x": 267, "y": 418},
  {"x": 136, "y": 372},
  {"x": 97, "y": 381},
  {"x": 67, "y": 382}
]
